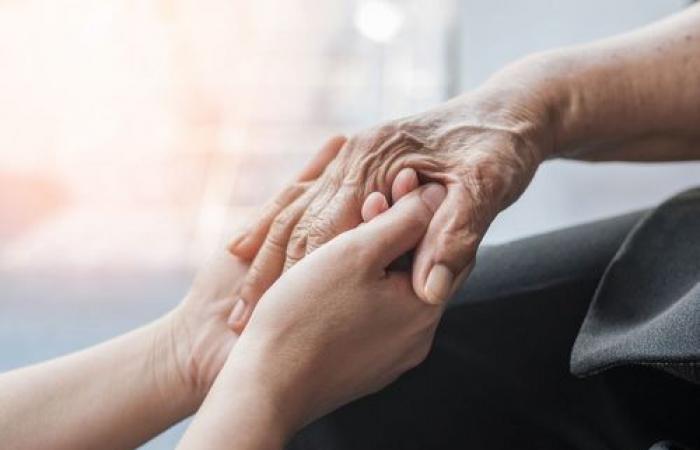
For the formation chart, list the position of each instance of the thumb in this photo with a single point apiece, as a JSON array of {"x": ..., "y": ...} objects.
[
  {"x": 398, "y": 230},
  {"x": 446, "y": 254}
]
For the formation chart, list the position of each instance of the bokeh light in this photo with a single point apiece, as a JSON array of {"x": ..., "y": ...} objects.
[
  {"x": 379, "y": 20},
  {"x": 138, "y": 133}
]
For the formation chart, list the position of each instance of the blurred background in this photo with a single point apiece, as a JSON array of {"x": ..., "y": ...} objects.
[{"x": 136, "y": 134}]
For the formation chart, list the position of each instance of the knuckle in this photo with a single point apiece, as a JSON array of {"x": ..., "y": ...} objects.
[
  {"x": 280, "y": 234},
  {"x": 340, "y": 214},
  {"x": 275, "y": 242},
  {"x": 319, "y": 232},
  {"x": 354, "y": 249},
  {"x": 379, "y": 153},
  {"x": 252, "y": 283},
  {"x": 298, "y": 237},
  {"x": 281, "y": 222},
  {"x": 296, "y": 247}
]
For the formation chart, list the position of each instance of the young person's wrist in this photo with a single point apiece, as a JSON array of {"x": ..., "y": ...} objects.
[
  {"x": 245, "y": 409},
  {"x": 252, "y": 375},
  {"x": 168, "y": 351}
]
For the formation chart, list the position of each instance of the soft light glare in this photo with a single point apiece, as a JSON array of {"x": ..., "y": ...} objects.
[{"x": 379, "y": 21}]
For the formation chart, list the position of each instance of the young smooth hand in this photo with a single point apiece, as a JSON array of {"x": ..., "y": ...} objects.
[
  {"x": 204, "y": 324},
  {"x": 339, "y": 325}
]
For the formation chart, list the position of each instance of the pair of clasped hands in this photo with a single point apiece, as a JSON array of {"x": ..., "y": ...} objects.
[{"x": 339, "y": 324}]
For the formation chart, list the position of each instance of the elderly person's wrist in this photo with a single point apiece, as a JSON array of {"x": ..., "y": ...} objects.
[
  {"x": 531, "y": 98},
  {"x": 523, "y": 103}
]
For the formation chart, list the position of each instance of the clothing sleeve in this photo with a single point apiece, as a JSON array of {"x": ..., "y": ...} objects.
[{"x": 646, "y": 310}]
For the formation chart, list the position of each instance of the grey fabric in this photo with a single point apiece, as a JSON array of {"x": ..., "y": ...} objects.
[
  {"x": 668, "y": 445},
  {"x": 499, "y": 376},
  {"x": 646, "y": 310}
]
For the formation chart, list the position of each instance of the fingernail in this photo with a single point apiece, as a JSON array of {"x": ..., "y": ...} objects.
[
  {"x": 438, "y": 284},
  {"x": 237, "y": 312},
  {"x": 433, "y": 195},
  {"x": 236, "y": 241}
]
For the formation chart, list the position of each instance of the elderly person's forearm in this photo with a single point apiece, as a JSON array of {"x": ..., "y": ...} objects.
[{"x": 631, "y": 97}]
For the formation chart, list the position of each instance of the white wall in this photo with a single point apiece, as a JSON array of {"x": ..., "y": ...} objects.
[{"x": 491, "y": 34}]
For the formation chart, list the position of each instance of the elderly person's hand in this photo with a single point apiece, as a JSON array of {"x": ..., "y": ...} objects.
[
  {"x": 630, "y": 97},
  {"x": 482, "y": 147}
]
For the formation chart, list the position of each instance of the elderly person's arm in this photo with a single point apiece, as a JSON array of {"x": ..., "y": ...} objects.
[{"x": 631, "y": 97}]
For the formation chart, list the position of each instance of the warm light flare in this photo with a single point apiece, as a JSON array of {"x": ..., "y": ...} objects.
[
  {"x": 132, "y": 131},
  {"x": 379, "y": 20}
]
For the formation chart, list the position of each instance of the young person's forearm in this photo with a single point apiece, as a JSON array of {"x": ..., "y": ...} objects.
[
  {"x": 631, "y": 97},
  {"x": 115, "y": 395},
  {"x": 241, "y": 412}
]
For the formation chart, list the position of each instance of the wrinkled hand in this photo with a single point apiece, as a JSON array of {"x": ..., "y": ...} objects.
[{"x": 485, "y": 154}]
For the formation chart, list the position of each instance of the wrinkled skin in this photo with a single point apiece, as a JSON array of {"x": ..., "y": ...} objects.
[{"x": 483, "y": 152}]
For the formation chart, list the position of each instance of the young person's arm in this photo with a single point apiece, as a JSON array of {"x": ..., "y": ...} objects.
[
  {"x": 125, "y": 391},
  {"x": 115, "y": 395},
  {"x": 121, "y": 393}
]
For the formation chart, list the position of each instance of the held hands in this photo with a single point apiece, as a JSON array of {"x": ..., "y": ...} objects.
[
  {"x": 484, "y": 154},
  {"x": 340, "y": 324}
]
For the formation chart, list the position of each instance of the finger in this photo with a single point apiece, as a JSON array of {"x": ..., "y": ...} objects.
[
  {"x": 446, "y": 253},
  {"x": 401, "y": 228},
  {"x": 374, "y": 205},
  {"x": 405, "y": 182},
  {"x": 269, "y": 261},
  {"x": 333, "y": 211},
  {"x": 322, "y": 158},
  {"x": 342, "y": 213},
  {"x": 248, "y": 242}
]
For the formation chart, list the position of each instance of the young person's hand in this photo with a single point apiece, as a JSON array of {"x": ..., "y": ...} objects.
[
  {"x": 253, "y": 244},
  {"x": 335, "y": 327},
  {"x": 201, "y": 337},
  {"x": 207, "y": 323},
  {"x": 134, "y": 386}
]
